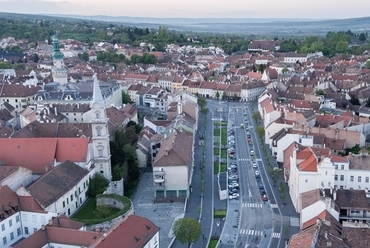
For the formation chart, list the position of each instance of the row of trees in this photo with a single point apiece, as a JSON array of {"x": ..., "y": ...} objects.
[{"x": 123, "y": 155}]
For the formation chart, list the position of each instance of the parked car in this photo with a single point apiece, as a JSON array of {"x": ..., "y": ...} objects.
[
  {"x": 233, "y": 177},
  {"x": 257, "y": 173},
  {"x": 261, "y": 186},
  {"x": 234, "y": 196},
  {"x": 232, "y": 166},
  {"x": 264, "y": 198},
  {"x": 233, "y": 181},
  {"x": 263, "y": 192},
  {"x": 233, "y": 185},
  {"x": 233, "y": 190}
]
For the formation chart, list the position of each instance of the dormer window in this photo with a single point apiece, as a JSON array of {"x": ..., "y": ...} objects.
[{"x": 97, "y": 115}]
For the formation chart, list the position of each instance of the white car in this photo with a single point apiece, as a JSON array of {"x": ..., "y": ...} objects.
[
  {"x": 234, "y": 196},
  {"x": 257, "y": 173},
  {"x": 254, "y": 165}
]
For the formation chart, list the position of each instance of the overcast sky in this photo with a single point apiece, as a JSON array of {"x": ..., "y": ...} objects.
[{"x": 313, "y": 9}]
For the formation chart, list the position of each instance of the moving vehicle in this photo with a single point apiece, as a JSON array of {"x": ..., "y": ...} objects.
[{"x": 257, "y": 173}]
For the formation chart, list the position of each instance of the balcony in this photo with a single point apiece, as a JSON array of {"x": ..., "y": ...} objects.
[
  {"x": 158, "y": 180},
  {"x": 158, "y": 173}
]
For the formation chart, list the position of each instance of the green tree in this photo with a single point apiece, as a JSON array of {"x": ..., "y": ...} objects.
[
  {"x": 217, "y": 95},
  {"x": 187, "y": 230},
  {"x": 362, "y": 37},
  {"x": 367, "y": 64},
  {"x": 5, "y": 65},
  {"x": 224, "y": 96},
  {"x": 84, "y": 56},
  {"x": 256, "y": 116},
  {"x": 98, "y": 184},
  {"x": 205, "y": 111},
  {"x": 354, "y": 100},
  {"x": 320, "y": 92},
  {"x": 202, "y": 103},
  {"x": 125, "y": 98},
  {"x": 260, "y": 130}
]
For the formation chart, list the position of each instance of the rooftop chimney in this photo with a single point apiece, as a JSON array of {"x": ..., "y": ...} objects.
[{"x": 166, "y": 151}]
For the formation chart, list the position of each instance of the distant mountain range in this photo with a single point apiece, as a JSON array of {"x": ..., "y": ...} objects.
[
  {"x": 262, "y": 26},
  {"x": 243, "y": 25}
]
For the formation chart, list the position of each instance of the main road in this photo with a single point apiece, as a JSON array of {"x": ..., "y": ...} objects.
[{"x": 257, "y": 225}]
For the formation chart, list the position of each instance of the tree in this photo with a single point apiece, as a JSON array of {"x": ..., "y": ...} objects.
[
  {"x": 260, "y": 130},
  {"x": 205, "y": 111},
  {"x": 367, "y": 64},
  {"x": 98, "y": 184},
  {"x": 256, "y": 116},
  {"x": 362, "y": 37},
  {"x": 125, "y": 98},
  {"x": 84, "y": 56},
  {"x": 320, "y": 92},
  {"x": 187, "y": 230},
  {"x": 224, "y": 96},
  {"x": 217, "y": 95},
  {"x": 202, "y": 103},
  {"x": 354, "y": 100}
]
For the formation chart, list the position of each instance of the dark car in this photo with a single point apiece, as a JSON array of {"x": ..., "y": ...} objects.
[
  {"x": 263, "y": 192},
  {"x": 261, "y": 186}
]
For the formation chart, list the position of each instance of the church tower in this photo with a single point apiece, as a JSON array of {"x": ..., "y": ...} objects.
[
  {"x": 100, "y": 134},
  {"x": 59, "y": 71}
]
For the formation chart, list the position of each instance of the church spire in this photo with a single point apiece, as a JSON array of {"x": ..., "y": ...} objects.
[{"x": 97, "y": 96}]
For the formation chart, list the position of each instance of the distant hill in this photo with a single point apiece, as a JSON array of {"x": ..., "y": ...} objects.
[{"x": 263, "y": 26}]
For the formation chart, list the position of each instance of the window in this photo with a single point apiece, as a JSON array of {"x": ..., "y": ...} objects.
[
  {"x": 17, "y": 218},
  {"x": 100, "y": 152},
  {"x": 326, "y": 172},
  {"x": 97, "y": 115},
  {"x": 359, "y": 179},
  {"x": 171, "y": 193},
  {"x": 4, "y": 241},
  {"x": 355, "y": 211},
  {"x": 19, "y": 231},
  {"x": 98, "y": 131},
  {"x": 2, "y": 227},
  {"x": 11, "y": 236},
  {"x": 10, "y": 223},
  {"x": 342, "y": 177},
  {"x": 26, "y": 230},
  {"x": 342, "y": 167},
  {"x": 341, "y": 187},
  {"x": 351, "y": 178},
  {"x": 336, "y": 166},
  {"x": 34, "y": 229},
  {"x": 33, "y": 218},
  {"x": 64, "y": 204},
  {"x": 71, "y": 197},
  {"x": 182, "y": 193},
  {"x": 366, "y": 179},
  {"x": 336, "y": 177},
  {"x": 42, "y": 219},
  {"x": 67, "y": 200},
  {"x": 24, "y": 217}
]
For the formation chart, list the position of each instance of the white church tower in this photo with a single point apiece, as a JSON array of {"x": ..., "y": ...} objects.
[
  {"x": 100, "y": 134},
  {"x": 59, "y": 72}
]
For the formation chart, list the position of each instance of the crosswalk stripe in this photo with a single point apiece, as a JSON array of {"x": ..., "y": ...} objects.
[
  {"x": 253, "y": 232},
  {"x": 252, "y": 205},
  {"x": 276, "y": 235},
  {"x": 274, "y": 206}
]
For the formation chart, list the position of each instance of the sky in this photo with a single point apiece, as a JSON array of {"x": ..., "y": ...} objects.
[{"x": 313, "y": 9}]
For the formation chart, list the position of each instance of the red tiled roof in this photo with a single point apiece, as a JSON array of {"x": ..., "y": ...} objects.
[
  {"x": 309, "y": 160},
  {"x": 134, "y": 232},
  {"x": 74, "y": 149},
  {"x": 33, "y": 154}
]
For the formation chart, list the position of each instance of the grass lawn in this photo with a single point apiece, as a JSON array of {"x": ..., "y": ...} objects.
[
  {"x": 223, "y": 153},
  {"x": 223, "y": 167},
  {"x": 216, "y": 132},
  {"x": 87, "y": 211},
  {"x": 219, "y": 214},
  {"x": 215, "y": 167},
  {"x": 212, "y": 243},
  {"x": 216, "y": 151},
  {"x": 224, "y": 136}
]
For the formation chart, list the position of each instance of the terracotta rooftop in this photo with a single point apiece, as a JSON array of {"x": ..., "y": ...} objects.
[
  {"x": 134, "y": 232},
  {"x": 306, "y": 160},
  {"x": 175, "y": 150}
]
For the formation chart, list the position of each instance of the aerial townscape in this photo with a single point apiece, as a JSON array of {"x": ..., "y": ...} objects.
[{"x": 134, "y": 136}]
